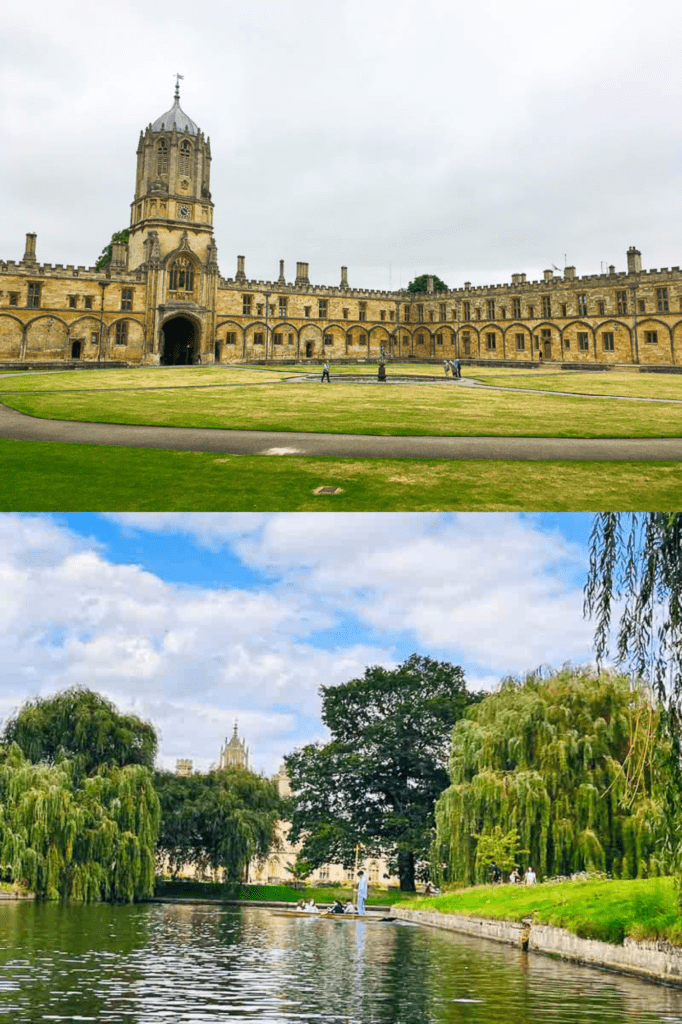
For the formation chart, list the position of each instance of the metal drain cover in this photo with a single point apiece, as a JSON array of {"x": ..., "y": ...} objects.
[{"x": 328, "y": 490}]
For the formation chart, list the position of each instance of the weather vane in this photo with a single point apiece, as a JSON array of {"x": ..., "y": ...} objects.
[{"x": 177, "y": 86}]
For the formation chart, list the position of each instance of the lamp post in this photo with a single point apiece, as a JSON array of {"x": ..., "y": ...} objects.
[
  {"x": 267, "y": 329},
  {"x": 633, "y": 294},
  {"x": 103, "y": 285}
]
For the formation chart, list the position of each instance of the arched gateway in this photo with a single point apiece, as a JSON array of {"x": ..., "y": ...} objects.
[{"x": 180, "y": 342}]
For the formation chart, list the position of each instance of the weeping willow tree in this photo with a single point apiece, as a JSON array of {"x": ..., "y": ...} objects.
[
  {"x": 72, "y": 837},
  {"x": 568, "y": 761}
]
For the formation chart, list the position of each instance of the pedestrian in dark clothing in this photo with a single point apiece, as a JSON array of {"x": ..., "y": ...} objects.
[{"x": 325, "y": 373}]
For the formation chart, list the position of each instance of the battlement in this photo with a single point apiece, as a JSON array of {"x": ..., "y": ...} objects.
[
  {"x": 323, "y": 290},
  {"x": 34, "y": 270}
]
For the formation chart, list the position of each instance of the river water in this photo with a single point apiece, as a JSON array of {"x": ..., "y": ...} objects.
[{"x": 169, "y": 963}]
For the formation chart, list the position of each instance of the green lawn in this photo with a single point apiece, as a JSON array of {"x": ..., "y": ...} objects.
[
  {"x": 638, "y": 385},
  {"x": 143, "y": 377},
  {"x": 608, "y": 911},
  {"x": 362, "y": 409},
  {"x": 41, "y": 476},
  {"x": 276, "y": 893}
]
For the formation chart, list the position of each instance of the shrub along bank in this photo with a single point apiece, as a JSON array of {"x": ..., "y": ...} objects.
[
  {"x": 274, "y": 893},
  {"x": 592, "y": 909}
]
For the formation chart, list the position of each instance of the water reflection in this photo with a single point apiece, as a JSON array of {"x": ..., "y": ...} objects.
[{"x": 162, "y": 963}]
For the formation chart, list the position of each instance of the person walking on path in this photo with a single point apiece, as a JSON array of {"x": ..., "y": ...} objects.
[
  {"x": 325, "y": 372},
  {"x": 453, "y": 364},
  {"x": 362, "y": 891},
  {"x": 446, "y": 367}
]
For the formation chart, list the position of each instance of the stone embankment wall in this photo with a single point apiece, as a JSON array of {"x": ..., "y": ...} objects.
[{"x": 655, "y": 960}]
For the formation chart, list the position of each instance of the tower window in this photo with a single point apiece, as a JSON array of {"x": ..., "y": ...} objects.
[
  {"x": 322, "y": 309},
  {"x": 122, "y": 333},
  {"x": 185, "y": 159},
  {"x": 362, "y": 311},
  {"x": 582, "y": 305},
  {"x": 466, "y": 311},
  {"x": 246, "y": 305},
  {"x": 72, "y": 301},
  {"x": 546, "y": 305},
  {"x": 282, "y": 307},
  {"x": 88, "y": 301},
  {"x": 622, "y": 302},
  {"x": 516, "y": 309},
  {"x": 126, "y": 298},
  {"x": 181, "y": 275},
  {"x": 491, "y": 309},
  {"x": 162, "y": 157},
  {"x": 33, "y": 296}
]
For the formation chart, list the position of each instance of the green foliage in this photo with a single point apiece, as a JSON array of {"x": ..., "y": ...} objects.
[
  {"x": 636, "y": 559},
  {"x": 223, "y": 819},
  {"x": 571, "y": 763},
  {"x": 301, "y": 869},
  {"x": 84, "y": 838},
  {"x": 420, "y": 284},
  {"x": 376, "y": 782},
  {"x": 105, "y": 255},
  {"x": 496, "y": 845},
  {"x": 181, "y": 888},
  {"x": 593, "y": 909},
  {"x": 84, "y": 726}
]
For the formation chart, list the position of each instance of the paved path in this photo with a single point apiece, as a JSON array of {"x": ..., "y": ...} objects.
[{"x": 17, "y": 426}]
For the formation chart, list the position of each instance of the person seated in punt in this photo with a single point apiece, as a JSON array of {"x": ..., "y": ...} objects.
[
  {"x": 301, "y": 906},
  {"x": 349, "y": 908},
  {"x": 336, "y": 908},
  {"x": 311, "y": 906}
]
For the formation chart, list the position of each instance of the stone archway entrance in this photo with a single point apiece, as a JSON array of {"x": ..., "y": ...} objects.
[
  {"x": 309, "y": 347},
  {"x": 76, "y": 350},
  {"x": 180, "y": 344}
]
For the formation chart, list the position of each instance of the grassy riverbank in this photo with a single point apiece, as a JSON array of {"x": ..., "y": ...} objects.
[
  {"x": 276, "y": 893},
  {"x": 606, "y": 910}
]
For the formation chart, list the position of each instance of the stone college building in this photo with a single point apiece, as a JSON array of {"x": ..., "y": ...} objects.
[{"x": 161, "y": 298}]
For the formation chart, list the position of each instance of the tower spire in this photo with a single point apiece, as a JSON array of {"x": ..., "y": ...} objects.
[{"x": 177, "y": 87}]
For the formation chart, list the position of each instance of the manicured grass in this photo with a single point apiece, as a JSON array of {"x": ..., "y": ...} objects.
[
  {"x": 41, "y": 476},
  {"x": 276, "y": 893},
  {"x": 442, "y": 409},
  {"x": 638, "y": 385},
  {"x": 593, "y": 909},
  {"x": 144, "y": 377}
]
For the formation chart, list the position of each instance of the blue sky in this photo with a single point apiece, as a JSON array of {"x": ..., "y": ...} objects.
[{"x": 193, "y": 620}]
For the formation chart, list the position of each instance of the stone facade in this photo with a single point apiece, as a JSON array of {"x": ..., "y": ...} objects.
[{"x": 161, "y": 297}]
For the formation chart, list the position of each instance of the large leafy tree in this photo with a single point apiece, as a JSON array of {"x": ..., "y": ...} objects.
[
  {"x": 420, "y": 284},
  {"x": 105, "y": 255},
  {"x": 568, "y": 761},
  {"x": 66, "y": 836},
  {"x": 636, "y": 571},
  {"x": 84, "y": 726},
  {"x": 376, "y": 782},
  {"x": 224, "y": 819}
]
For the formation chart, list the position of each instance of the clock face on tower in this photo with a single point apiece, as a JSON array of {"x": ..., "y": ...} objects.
[{"x": 184, "y": 212}]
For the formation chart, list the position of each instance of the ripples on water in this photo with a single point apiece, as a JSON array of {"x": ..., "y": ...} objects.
[{"x": 170, "y": 964}]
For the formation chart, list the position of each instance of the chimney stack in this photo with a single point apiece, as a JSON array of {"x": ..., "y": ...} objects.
[
  {"x": 548, "y": 274},
  {"x": 429, "y": 284},
  {"x": 30, "y": 253},
  {"x": 344, "y": 277},
  {"x": 241, "y": 276},
  {"x": 634, "y": 260},
  {"x": 302, "y": 275},
  {"x": 280, "y": 279},
  {"x": 569, "y": 273}
]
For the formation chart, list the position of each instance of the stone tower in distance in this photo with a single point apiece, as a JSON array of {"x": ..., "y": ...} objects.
[
  {"x": 234, "y": 754},
  {"x": 172, "y": 189}
]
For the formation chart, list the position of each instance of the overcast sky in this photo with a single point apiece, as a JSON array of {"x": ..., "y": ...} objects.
[
  {"x": 469, "y": 140},
  {"x": 193, "y": 620}
]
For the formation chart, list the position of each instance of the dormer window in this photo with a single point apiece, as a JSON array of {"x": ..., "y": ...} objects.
[
  {"x": 185, "y": 159},
  {"x": 162, "y": 154},
  {"x": 181, "y": 275}
]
